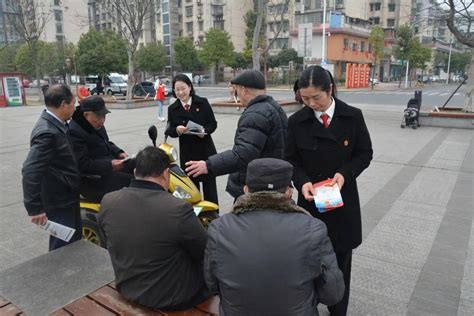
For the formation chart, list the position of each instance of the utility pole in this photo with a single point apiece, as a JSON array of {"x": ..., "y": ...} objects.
[
  {"x": 449, "y": 59},
  {"x": 323, "y": 53},
  {"x": 406, "y": 74}
]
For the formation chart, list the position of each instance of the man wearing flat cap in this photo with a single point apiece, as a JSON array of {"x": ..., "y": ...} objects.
[
  {"x": 261, "y": 133},
  {"x": 100, "y": 161},
  {"x": 270, "y": 256}
]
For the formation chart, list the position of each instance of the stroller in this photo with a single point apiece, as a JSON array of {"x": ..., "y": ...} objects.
[{"x": 412, "y": 112}]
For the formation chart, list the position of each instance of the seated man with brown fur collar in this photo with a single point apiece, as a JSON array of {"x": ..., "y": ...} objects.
[{"x": 270, "y": 256}]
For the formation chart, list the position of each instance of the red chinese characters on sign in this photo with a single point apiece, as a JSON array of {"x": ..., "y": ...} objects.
[{"x": 357, "y": 76}]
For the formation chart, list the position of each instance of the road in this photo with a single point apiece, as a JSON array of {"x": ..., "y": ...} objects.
[{"x": 433, "y": 95}]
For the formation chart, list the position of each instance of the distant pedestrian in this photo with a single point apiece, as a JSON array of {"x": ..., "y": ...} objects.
[
  {"x": 160, "y": 98},
  {"x": 99, "y": 87},
  {"x": 50, "y": 172},
  {"x": 329, "y": 139}
]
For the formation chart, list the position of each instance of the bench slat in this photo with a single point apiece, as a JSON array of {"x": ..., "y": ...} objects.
[
  {"x": 109, "y": 297},
  {"x": 3, "y": 302},
  {"x": 86, "y": 306},
  {"x": 10, "y": 310},
  {"x": 60, "y": 312}
]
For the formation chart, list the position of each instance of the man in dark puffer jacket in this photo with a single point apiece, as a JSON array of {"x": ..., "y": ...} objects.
[{"x": 261, "y": 132}]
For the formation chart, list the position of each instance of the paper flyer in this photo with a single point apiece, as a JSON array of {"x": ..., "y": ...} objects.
[
  {"x": 58, "y": 230},
  {"x": 326, "y": 197},
  {"x": 195, "y": 128}
]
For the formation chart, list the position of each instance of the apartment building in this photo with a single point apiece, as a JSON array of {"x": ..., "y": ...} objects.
[
  {"x": 389, "y": 13},
  {"x": 347, "y": 41},
  {"x": 66, "y": 20}
]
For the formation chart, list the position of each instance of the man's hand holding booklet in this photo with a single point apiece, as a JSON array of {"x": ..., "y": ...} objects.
[
  {"x": 327, "y": 197},
  {"x": 195, "y": 129}
]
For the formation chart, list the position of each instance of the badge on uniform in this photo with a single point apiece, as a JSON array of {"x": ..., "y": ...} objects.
[
  {"x": 197, "y": 109},
  {"x": 346, "y": 142}
]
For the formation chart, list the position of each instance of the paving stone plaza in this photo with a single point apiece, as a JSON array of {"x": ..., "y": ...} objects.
[{"x": 417, "y": 257}]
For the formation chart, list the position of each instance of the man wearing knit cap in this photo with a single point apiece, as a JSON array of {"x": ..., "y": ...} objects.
[
  {"x": 261, "y": 133},
  {"x": 270, "y": 256}
]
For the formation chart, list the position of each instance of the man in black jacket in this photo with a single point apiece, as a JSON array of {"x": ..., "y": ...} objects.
[
  {"x": 269, "y": 256},
  {"x": 261, "y": 133},
  {"x": 156, "y": 242},
  {"x": 50, "y": 172},
  {"x": 101, "y": 162}
]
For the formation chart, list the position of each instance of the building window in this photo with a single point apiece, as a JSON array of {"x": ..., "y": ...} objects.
[
  {"x": 286, "y": 26},
  {"x": 362, "y": 46},
  {"x": 201, "y": 26},
  {"x": 166, "y": 29},
  {"x": 189, "y": 27},
  {"x": 219, "y": 24},
  {"x": 354, "y": 46},
  {"x": 57, "y": 2},
  {"x": 59, "y": 28},
  {"x": 370, "y": 48},
  {"x": 390, "y": 22},
  {"x": 377, "y": 6},
  {"x": 391, "y": 7},
  {"x": 166, "y": 18},
  {"x": 371, "y": 7},
  {"x": 166, "y": 39},
  {"x": 58, "y": 15},
  {"x": 375, "y": 21},
  {"x": 189, "y": 11},
  {"x": 346, "y": 43},
  {"x": 165, "y": 7},
  {"x": 279, "y": 43}
]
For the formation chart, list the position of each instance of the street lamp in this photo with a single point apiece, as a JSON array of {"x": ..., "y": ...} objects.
[{"x": 68, "y": 70}]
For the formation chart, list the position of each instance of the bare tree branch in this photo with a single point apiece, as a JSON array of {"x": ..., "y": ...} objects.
[{"x": 464, "y": 37}]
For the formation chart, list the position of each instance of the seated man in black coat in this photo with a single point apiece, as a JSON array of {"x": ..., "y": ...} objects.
[{"x": 101, "y": 162}]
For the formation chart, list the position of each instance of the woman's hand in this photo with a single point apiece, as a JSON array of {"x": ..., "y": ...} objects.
[
  {"x": 307, "y": 190},
  {"x": 181, "y": 129},
  {"x": 339, "y": 179}
]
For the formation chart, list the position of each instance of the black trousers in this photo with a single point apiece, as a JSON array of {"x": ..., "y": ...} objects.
[
  {"x": 94, "y": 189},
  {"x": 68, "y": 217},
  {"x": 344, "y": 261},
  {"x": 209, "y": 188}
]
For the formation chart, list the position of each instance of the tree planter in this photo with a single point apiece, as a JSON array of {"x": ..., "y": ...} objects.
[
  {"x": 122, "y": 103},
  {"x": 448, "y": 117},
  {"x": 228, "y": 107}
]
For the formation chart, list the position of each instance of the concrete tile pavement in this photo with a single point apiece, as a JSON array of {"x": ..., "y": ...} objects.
[{"x": 417, "y": 202}]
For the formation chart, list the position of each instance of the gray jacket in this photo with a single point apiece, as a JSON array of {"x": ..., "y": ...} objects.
[
  {"x": 261, "y": 133},
  {"x": 270, "y": 257}
]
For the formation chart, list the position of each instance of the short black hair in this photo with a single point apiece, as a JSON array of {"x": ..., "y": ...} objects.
[
  {"x": 183, "y": 78},
  {"x": 56, "y": 94},
  {"x": 151, "y": 162}
]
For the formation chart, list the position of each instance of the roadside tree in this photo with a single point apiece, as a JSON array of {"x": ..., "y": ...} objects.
[
  {"x": 133, "y": 14},
  {"x": 7, "y": 57},
  {"x": 100, "y": 53},
  {"x": 402, "y": 50},
  {"x": 28, "y": 19},
  {"x": 460, "y": 22},
  {"x": 217, "y": 49},
  {"x": 44, "y": 63},
  {"x": 185, "y": 54},
  {"x": 151, "y": 58},
  {"x": 376, "y": 40}
]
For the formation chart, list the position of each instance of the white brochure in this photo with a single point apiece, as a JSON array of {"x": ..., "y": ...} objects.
[{"x": 58, "y": 230}]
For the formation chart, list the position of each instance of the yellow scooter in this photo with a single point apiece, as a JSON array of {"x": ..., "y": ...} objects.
[{"x": 181, "y": 187}]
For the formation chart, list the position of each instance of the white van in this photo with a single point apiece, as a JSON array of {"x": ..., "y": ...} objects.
[{"x": 113, "y": 84}]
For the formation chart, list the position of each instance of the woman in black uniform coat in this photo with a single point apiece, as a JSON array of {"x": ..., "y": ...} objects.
[
  {"x": 190, "y": 107},
  {"x": 328, "y": 138}
]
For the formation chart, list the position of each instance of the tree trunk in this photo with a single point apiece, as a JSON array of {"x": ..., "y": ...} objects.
[
  {"x": 130, "y": 75},
  {"x": 470, "y": 85},
  {"x": 256, "y": 36},
  {"x": 373, "y": 75},
  {"x": 213, "y": 74}
]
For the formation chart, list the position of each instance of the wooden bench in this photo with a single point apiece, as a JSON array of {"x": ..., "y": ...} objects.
[
  {"x": 74, "y": 280},
  {"x": 107, "y": 301}
]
